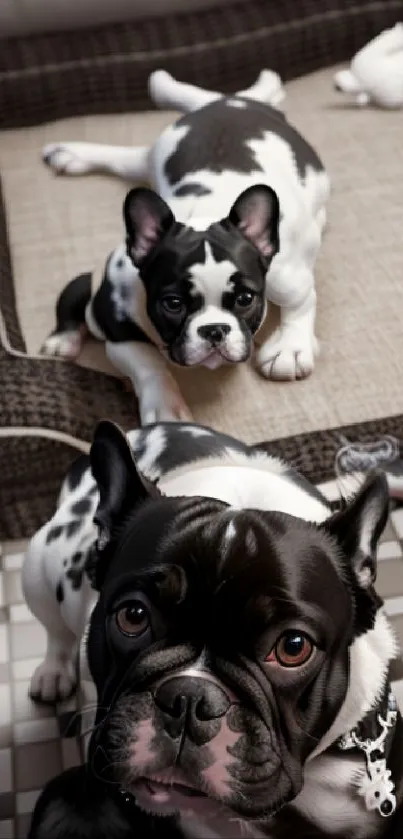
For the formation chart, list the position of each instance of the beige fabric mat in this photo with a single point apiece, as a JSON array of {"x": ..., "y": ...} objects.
[{"x": 62, "y": 226}]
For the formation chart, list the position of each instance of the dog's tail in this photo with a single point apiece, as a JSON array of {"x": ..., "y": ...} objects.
[{"x": 68, "y": 337}]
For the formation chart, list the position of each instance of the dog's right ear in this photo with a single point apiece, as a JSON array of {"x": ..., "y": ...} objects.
[
  {"x": 120, "y": 484},
  {"x": 147, "y": 219}
]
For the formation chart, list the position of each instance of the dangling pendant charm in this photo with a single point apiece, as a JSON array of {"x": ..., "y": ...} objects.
[{"x": 376, "y": 787}]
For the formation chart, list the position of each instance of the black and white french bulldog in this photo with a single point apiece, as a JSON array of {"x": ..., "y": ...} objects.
[
  {"x": 237, "y": 223},
  {"x": 238, "y": 647}
]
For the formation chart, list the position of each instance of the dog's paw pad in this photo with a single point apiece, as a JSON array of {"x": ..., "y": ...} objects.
[
  {"x": 64, "y": 159},
  {"x": 52, "y": 683},
  {"x": 63, "y": 344}
]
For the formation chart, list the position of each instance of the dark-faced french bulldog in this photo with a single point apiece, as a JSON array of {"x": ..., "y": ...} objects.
[
  {"x": 236, "y": 222},
  {"x": 238, "y": 647}
]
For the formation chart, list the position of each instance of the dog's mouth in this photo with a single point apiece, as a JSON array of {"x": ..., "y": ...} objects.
[
  {"x": 166, "y": 792},
  {"x": 215, "y": 359}
]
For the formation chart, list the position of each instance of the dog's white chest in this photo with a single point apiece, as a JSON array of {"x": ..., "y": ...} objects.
[{"x": 330, "y": 800}]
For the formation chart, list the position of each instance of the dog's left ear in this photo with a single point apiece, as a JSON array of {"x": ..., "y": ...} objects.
[
  {"x": 121, "y": 486},
  {"x": 358, "y": 527},
  {"x": 256, "y": 213},
  {"x": 147, "y": 219}
]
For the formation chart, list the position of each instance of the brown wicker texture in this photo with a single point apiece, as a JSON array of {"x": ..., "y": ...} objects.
[
  {"x": 314, "y": 453},
  {"x": 105, "y": 70}
]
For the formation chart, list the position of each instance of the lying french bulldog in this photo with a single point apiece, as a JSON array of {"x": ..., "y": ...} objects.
[
  {"x": 239, "y": 649},
  {"x": 237, "y": 223}
]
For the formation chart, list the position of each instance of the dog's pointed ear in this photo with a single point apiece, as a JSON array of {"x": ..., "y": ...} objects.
[
  {"x": 120, "y": 484},
  {"x": 256, "y": 213},
  {"x": 358, "y": 527},
  {"x": 147, "y": 219}
]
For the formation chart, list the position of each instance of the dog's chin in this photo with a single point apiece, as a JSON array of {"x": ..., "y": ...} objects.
[
  {"x": 215, "y": 360},
  {"x": 212, "y": 359}
]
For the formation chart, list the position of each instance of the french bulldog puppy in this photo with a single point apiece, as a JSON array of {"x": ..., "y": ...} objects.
[
  {"x": 236, "y": 223},
  {"x": 238, "y": 647}
]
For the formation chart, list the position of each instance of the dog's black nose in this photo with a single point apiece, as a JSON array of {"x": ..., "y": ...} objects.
[
  {"x": 214, "y": 333},
  {"x": 192, "y": 702}
]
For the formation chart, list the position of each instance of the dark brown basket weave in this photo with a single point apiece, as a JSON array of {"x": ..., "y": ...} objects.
[{"x": 105, "y": 70}]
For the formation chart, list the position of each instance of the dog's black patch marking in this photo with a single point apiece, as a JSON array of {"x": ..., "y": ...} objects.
[
  {"x": 192, "y": 188},
  {"x": 76, "y": 558},
  {"x": 104, "y": 312},
  {"x": 54, "y": 534},
  {"x": 65, "y": 563},
  {"x": 120, "y": 263},
  {"x": 72, "y": 528},
  {"x": 59, "y": 593},
  {"x": 75, "y": 575},
  {"x": 182, "y": 447},
  {"x": 72, "y": 302},
  {"x": 218, "y": 138},
  {"x": 80, "y": 508},
  {"x": 76, "y": 471}
]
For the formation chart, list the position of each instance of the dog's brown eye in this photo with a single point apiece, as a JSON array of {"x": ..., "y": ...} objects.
[
  {"x": 291, "y": 650},
  {"x": 172, "y": 303},
  {"x": 244, "y": 299},
  {"x": 133, "y": 619}
]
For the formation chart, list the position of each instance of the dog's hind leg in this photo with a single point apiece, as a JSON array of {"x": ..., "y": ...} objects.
[
  {"x": 268, "y": 88},
  {"x": 70, "y": 333},
  {"x": 167, "y": 92},
  {"x": 81, "y": 158}
]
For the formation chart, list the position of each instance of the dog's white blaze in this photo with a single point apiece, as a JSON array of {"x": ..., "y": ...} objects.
[
  {"x": 211, "y": 278},
  {"x": 230, "y": 532}
]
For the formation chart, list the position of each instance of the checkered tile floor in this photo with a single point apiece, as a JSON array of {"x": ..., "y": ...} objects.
[
  {"x": 33, "y": 742},
  {"x": 32, "y": 748}
]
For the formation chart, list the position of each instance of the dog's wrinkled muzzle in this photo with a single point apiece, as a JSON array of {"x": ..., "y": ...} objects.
[{"x": 192, "y": 702}]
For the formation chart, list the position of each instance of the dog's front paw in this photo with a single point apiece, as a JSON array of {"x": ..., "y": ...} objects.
[
  {"x": 53, "y": 681},
  {"x": 65, "y": 159},
  {"x": 163, "y": 402},
  {"x": 63, "y": 344},
  {"x": 287, "y": 356}
]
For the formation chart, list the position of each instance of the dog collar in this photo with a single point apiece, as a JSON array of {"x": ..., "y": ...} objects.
[{"x": 373, "y": 737}]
